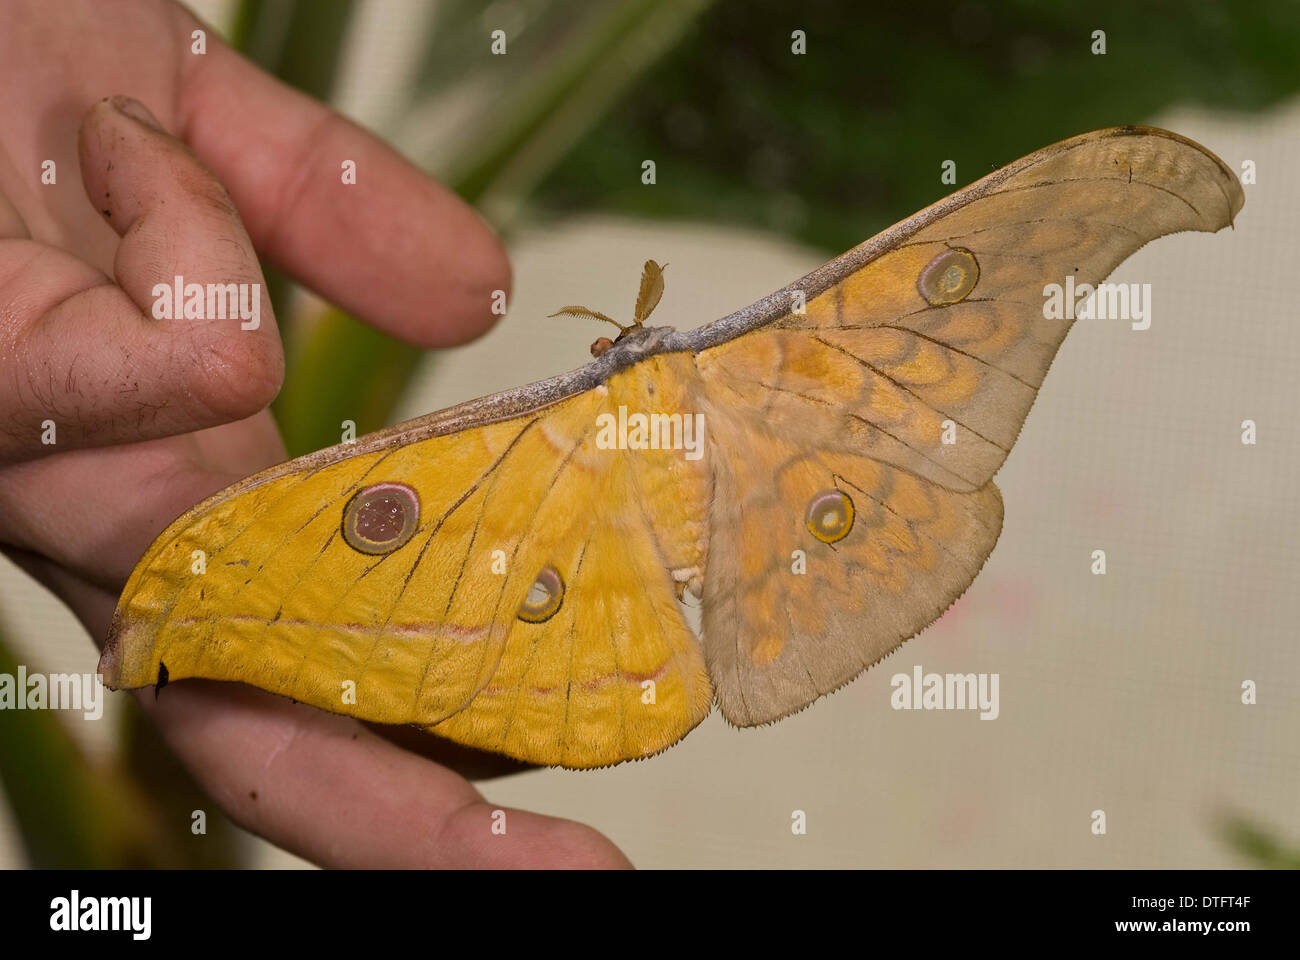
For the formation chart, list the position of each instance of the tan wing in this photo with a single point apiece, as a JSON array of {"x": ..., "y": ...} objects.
[{"x": 937, "y": 328}]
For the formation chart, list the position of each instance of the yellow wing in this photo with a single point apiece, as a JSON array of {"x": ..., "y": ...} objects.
[
  {"x": 616, "y": 673},
  {"x": 933, "y": 331},
  {"x": 401, "y": 585}
]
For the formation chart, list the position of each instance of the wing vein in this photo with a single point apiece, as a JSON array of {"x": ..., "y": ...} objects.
[{"x": 906, "y": 389}]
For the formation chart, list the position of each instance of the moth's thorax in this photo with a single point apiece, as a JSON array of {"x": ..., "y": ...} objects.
[{"x": 636, "y": 344}]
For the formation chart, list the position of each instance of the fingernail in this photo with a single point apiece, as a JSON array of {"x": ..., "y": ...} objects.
[{"x": 136, "y": 111}]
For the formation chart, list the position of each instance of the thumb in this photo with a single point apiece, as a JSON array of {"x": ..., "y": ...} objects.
[
  {"x": 133, "y": 361},
  {"x": 176, "y": 219}
]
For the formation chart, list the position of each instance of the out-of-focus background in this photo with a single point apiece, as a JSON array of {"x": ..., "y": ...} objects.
[{"x": 1120, "y": 693}]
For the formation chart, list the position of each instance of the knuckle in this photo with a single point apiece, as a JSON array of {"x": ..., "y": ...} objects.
[{"x": 236, "y": 376}]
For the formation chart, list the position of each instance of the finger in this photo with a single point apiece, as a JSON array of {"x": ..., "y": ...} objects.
[
  {"x": 330, "y": 790},
  {"x": 11, "y": 221},
  {"x": 92, "y": 363},
  {"x": 395, "y": 248},
  {"x": 100, "y": 529}
]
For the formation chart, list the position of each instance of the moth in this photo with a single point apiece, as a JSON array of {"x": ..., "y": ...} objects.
[{"x": 494, "y": 573}]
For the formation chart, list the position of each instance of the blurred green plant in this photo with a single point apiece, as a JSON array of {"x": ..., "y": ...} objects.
[
  {"x": 832, "y": 146},
  {"x": 1256, "y": 844},
  {"x": 75, "y": 812},
  {"x": 70, "y": 812}
]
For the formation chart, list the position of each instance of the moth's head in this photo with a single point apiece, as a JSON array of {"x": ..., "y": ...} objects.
[{"x": 652, "y": 288}]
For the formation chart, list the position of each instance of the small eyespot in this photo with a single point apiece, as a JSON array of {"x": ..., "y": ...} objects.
[
  {"x": 830, "y": 515},
  {"x": 544, "y": 597},
  {"x": 949, "y": 277},
  {"x": 380, "y": 518}
]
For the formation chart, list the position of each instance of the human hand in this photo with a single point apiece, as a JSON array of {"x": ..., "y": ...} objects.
[{"x": 153, "y": 415}]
